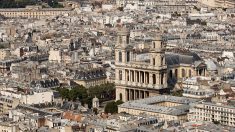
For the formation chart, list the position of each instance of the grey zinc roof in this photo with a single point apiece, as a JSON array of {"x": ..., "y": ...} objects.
[
  {"x": 210, "y": 65},
  {"x": 145, "y": 104},
  {"x": 176, "y": 59},
  {"x": 173, "y": 59}
]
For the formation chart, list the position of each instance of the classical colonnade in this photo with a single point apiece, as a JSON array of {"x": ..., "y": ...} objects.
[
  {"x": 145, "y": 77},
  {"x": 133, "y": 94}
]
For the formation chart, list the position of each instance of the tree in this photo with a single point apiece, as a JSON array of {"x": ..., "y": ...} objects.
[
  {"x": 64, "y": 93},
  {"x": 95, "y": 110},
  {"x": 119, "y": 102},
  {"x": 104, "y": 92},
  {"x": 54, "y": 4},
  {"x": 112, "y": 107},
  {"x": 216, "y": 122},
  {"x": 178, "y": 93}
]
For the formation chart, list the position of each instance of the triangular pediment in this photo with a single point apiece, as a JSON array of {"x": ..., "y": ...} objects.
[{"x": 127, "y": 47}]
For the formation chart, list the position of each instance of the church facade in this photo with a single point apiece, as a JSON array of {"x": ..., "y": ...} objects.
[{"x": 136, "y": 79}]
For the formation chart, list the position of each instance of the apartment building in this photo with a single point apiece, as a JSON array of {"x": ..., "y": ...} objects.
[
  {"x": 7, "y": 103},
  {"x": 34, "y": 12},
  {"x": 205, "y": 111}
]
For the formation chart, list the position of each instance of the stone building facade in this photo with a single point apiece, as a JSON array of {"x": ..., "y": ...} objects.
[
  {"x": 136, "y": 79},
  {"x": 34, "y": 12},
  {"x": 206, "y": 111}
]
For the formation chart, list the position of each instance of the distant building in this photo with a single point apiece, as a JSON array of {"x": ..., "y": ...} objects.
[
  {"x": 7, "y": 103},
  {"x": 196, "y": 88},
  {"x": 45, "y": 83},
  {"x": 34, "y": 12},
  {"x": 4, "y": 53},
  {"x": 218, "y": 3},
  {"x": 184, "y": 65},
  {"x": 164, "y": 106},
  {"x": 9, "y": 127},
  {"x": 55, "y": 55},
  {"x": 37, "y": 96},
  {"x": 90, "y": 76},
  {"x": 212, "y": 112}
]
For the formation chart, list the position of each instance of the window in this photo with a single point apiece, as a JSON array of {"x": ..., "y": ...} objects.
[
  {"x": 183, "y": 73},
  {"x": 120, "y": 75},
  {"x": 120, "y": 56},
  {"x": 162, "y": 60},
  {"x": 128, "y": 56},
  {"x": 176, "y": 73},
  {"x": 154, "y": 79},
  {"x": 127, "y": 39},
  {"x": 189, "y": 73},
  {"x": 120, "y": 39},
  {"x": 162, "y": 78},
  {"x": 120, "y": 96},
  {"x": 171, "y": 74},
  {"x": 154, "y": 61}
]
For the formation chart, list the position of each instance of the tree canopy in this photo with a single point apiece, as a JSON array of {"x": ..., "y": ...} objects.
[
  {"x": 112, "y": 107},
  {"x": 104, "y": 92}
]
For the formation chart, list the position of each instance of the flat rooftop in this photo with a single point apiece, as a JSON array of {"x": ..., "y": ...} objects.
[{"x": 148, "y": 104}]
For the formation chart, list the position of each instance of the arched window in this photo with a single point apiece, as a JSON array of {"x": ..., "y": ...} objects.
[
  {"x": 120, "y": 56},
  {"x": 171, "y": 74},
  {"x": 162, "y": 60},
  {"x": 154, "y": 79},
  {"x": 154, "y": 45},
  {"x": 127, "y": 39},
  {"x": 162, "y": 78},
  {"x": 189, "y": 73},
  {"x": 120, "y": 96},
  {"x": 120, "y": 75},
  {"x": 154, "y": 61},
  {"x": 176, "y": 73},
  {"x": 127, "y": 56},
  {"x": 162, "y": 44},
  {"x": 183, "y": 73}
]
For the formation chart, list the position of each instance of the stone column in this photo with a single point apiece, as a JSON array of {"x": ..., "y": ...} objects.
[
  {"x": 150, "y": 78},
  {"x": 157, "y": 78},
  {"x": 129, "y": 75},
  {"x": 165, "y": 78},
  {"x": 140, "y": 78},
  {"x": 123, "y": 57},
  {"x": 135, "y": 76},
  {"x": 130, "y": 95},
  {"x": 123, "y": 75},
  {"x": 134, "y": 95},
  {"x": 146, "y": 94},
  {"x": 131, "y": 56},
  {"x": 127, "y": 95},
  {"x": 142, "y": 94},
  {"x": 117, "y": 74}
]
